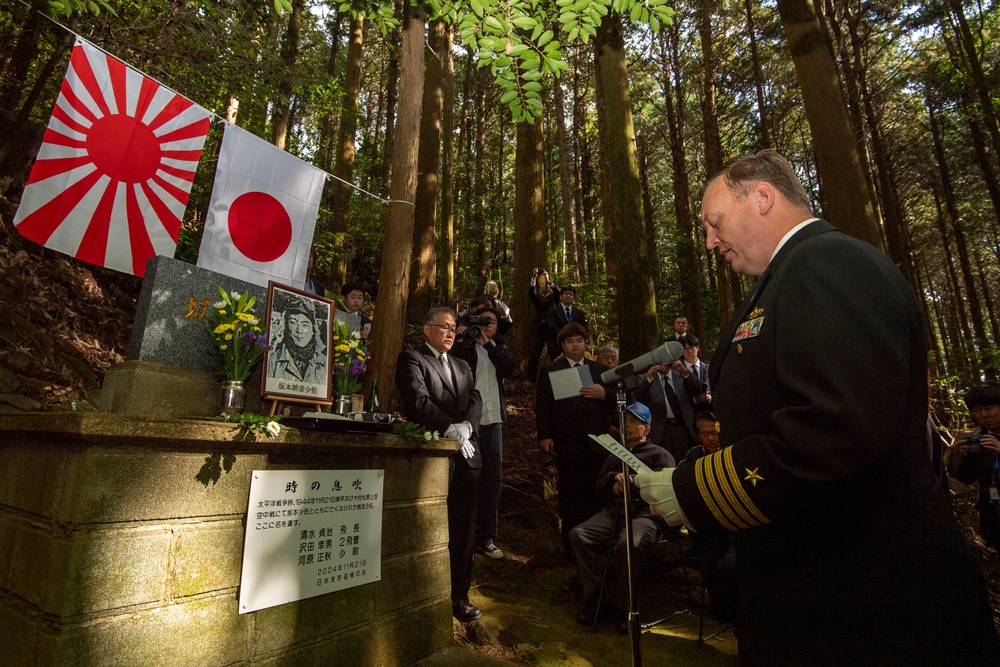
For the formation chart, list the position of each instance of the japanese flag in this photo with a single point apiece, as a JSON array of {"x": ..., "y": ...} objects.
[
  {"x": 115, "y": 168},
  {"x": 262, "y": 214}
]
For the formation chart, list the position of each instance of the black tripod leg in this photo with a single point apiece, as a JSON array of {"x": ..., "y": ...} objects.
[{"x": 607, "y": 561}]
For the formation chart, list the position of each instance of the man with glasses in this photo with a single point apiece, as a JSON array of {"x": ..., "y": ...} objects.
[
  {"x": 491, "y": 363},
  {"x": 439, "y": 393}
]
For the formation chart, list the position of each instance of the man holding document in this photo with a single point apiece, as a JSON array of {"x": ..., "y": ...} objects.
[{"x": 569, "y": 406}]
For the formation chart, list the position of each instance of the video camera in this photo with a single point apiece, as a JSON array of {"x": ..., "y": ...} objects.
[{"x": 472, "y": 324}]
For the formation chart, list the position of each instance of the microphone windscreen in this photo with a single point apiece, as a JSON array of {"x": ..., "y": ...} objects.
[{"x": 668, "y": 352}]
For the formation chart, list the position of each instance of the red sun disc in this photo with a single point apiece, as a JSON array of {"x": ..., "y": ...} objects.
[
  {"x": 123, "y": 148},
  {"x": 259, "y": 226}
]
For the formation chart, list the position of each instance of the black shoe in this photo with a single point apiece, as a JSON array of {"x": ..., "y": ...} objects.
[{"x": 465, "y": 612}]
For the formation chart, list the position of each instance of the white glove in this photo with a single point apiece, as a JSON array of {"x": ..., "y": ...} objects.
[
  {"x": 657, "y": 489},
  {"x": 462, "y": 432},
  {"x": 459, "y": 431},
  {"x": 468, "y": 451}
]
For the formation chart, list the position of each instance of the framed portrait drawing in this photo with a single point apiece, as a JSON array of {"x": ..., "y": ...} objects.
[{"x": 299, "y": 328}]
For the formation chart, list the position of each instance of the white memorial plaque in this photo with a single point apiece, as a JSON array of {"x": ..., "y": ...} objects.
[{"x": 310, "y": 532}]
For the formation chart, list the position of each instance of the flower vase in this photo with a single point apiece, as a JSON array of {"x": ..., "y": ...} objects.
[
  {"x": 233, "y": 397},
  {"x": 341, "y": 405}
]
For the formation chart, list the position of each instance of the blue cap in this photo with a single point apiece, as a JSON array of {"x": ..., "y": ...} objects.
[{"x": 640, "y": 412}]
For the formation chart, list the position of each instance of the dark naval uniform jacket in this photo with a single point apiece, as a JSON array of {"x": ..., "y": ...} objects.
[{"x": 846, "y": 553}]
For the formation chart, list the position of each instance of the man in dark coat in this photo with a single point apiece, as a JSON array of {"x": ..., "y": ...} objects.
[
  {"x": 977, "y": 459},
  {"x": 564, "y": 427},
  {"x": 668, "y": 391},
  {"x": 543, "y": 294},
  {"x": 560, "y": 314},
  {"x": 439, "y": 393},
  {"x": 847, "y": 554}
]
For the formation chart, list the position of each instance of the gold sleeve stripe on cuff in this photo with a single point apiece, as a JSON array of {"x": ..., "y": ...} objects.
[
  {"x": 699, "y": 476},
  {"x": 717, "y": 483},
  {"x": 738, "y": 487},
  {"x": 726, "y": 483}
]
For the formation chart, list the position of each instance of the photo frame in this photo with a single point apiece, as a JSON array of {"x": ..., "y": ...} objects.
[{"x": 300, "y": 328}]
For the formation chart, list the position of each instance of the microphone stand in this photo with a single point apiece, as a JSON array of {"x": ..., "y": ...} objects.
[{"x": 634, "y": 626}]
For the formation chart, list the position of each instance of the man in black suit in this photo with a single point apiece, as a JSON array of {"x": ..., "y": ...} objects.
[
  {"x": 564, "y": 426},
  {"x": 439, "y": 393},
  {"x": 560, "y": 315},
  {"x": 698, "y": 368},
  {"x": 680, "y": 328},
  {"x": 668, "y": 390},
  {"x": 847, "y": 553},
  {"x": 543, "y": 294}
]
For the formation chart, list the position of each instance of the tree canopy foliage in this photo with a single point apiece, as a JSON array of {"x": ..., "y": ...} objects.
[{"x": 707, "y": 81}]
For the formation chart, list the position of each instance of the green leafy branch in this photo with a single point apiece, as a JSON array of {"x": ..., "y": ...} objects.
[
  {"x": 69, "y": 7},
  {"x": 516, "y": 39},
  {"x": 414, "y": 431},
  {"x": 249, "y": 423},
  {"x": 381, "y": 13}
]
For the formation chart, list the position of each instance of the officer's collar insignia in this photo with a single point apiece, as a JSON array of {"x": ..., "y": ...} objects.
[{"x": 753, "y": 477}]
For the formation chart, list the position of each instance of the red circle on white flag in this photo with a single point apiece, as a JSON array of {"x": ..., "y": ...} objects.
[{"x": 259, "y": 226}]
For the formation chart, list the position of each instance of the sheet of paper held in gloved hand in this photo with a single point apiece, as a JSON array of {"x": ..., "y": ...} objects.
[{"x": 625, "y": 455}]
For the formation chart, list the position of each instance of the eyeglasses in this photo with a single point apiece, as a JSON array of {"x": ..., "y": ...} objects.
[{"x": 447, "y": 328}]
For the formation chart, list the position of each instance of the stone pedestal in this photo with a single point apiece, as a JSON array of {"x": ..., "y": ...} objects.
[
  {"x": 144, "y": 388},
  {"x": 117, "y": 549}
]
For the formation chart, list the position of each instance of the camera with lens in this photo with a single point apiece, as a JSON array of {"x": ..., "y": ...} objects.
[
  {"x": 472, "y": 324},
  {"x": 975, "y": 443}
]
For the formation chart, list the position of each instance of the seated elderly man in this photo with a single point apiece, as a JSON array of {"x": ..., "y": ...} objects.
[{"x": 590, "y": 539}]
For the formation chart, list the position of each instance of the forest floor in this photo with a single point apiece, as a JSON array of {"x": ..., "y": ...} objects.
[{"x": 63, "y": 323}]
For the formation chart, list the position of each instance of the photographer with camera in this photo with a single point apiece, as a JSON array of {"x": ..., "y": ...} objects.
[
  {"x": 484, "y": 276},
  {"x": 491, "y": 363},
  {"x": 493, "y": 291},
  {"x": 978, "y": 458},
  {"x": 543, "y": 294}
]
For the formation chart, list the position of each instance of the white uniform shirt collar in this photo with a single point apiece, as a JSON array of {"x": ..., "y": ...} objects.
[{"x": 790, "y": 234}]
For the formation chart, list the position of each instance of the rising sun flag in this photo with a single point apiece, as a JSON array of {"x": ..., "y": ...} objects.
[{"x": 114, "y": 172}]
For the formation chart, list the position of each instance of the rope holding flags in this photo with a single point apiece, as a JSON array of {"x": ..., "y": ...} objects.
[{"x": 114, "y": 173}]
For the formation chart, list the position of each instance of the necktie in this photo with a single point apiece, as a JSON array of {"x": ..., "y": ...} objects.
[
  {"x": 451, "y": 372},
  {"x": 569, "y": 318}
]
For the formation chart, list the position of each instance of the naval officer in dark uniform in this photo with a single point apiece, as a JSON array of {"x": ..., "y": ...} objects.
[{"x": 846, "y": 553}]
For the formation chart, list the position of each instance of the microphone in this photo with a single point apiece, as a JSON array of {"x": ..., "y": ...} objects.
[{"x": 666, "y": 353}]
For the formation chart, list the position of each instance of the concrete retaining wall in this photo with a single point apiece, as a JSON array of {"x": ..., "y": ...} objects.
[{"x": 113, "y": 553}]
